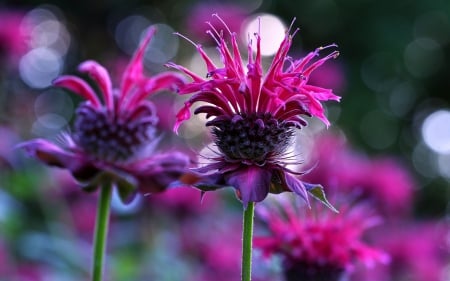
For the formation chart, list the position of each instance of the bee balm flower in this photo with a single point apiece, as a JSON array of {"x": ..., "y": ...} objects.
[
  {"x": 321, "y": 245},
  {"x": 113, "y": 138},
  {"x": 254, "y": 116}
]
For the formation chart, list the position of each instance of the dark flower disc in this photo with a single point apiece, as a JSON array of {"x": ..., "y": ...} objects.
[{"x": 252, "y": 137}]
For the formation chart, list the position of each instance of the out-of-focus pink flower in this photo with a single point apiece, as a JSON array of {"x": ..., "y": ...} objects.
[
  {"x": 234, "y": 15},
  {"x": 14, "y": 36},
  {"x": 184, "y": 201},
  {"x": 419, "y": 251},
  {"x": 318, "y": 244},
  {"x": 254, "y": 116},
  {"x": 330, "y": 75},
  {"x": 216, "y": 248},
  {"x": 383, "y": 180},
  {"x": 28, "y": 272},
  {"x": 113, "y": 138},
  {"x": 391, "y": 185}
]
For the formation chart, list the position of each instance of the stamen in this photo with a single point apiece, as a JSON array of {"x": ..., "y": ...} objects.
[
  {"x": 187, "y": 39},
  {"x": 291, "y": 25},
  {"x": 216, "y": 33},
  {"x": 213, "y": 36},
  {"x": 223, "y": 22}
]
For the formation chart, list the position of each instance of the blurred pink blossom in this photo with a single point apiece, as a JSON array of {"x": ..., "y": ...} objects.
[
  {"x": 184, "y": 201},
  {"x": 332, "y": 76},
  {"x": 234, "y": 15},
  {"x": 419, "y": 251},
  {"x": 216, "y": 247},
  {"x": 14, "y": 36},
  {"x": 382, "y": 180},
  {"x": 318, "y": 244}
]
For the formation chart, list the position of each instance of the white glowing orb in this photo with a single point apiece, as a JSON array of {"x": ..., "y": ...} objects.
[
  {"x": 436, "y": 131},
  {"x": 40, "y": 66},
  {"x": 271, "y": 29}
]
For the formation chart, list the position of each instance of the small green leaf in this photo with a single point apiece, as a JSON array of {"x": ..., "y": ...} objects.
[
  {"x": 316, "y": 191},
  {"x": 127, "y": 191}
]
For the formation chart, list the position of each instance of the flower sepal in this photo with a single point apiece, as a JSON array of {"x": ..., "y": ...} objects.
[
  {"x": 125, "y": 184},
  {"x": 318, "y": 193}
]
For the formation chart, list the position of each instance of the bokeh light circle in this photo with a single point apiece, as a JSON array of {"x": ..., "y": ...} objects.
[
  {"x": 40, "y": 66},
  {"x": 436, "y": 131},
  {"x": 272, "y": 31}
]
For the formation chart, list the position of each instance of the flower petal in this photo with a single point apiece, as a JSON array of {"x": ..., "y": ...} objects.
[
  {"x": 156, "y": 173},
  {"x": 182, "y": 115},
  {"x": 47, "y": 152},
  {"x": 79, "y": 87},
  {"x": 163, "y": 81},
  {"x": 134, "y": 70},
  {"x": 101, "y": 76},
  {"x": 296, "y": 186},
  {"x": 53, "y": 155},
  {"x": 316, "y": 190},
  {"x": 251, "y": 183}
]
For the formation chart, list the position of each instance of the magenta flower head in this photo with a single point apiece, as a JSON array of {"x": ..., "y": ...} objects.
[
  {"x": 14, "y": 36},
  {"x": 383, "y": 180},
  {"x": 113, "y": 139},
  {"x": 319, "y": 245},
  {"x": 254, "y": 116}
]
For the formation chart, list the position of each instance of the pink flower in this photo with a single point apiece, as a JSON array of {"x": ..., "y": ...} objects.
[
  {"x": 254, "y": 116},
  {"x": 114, "y": 138},
  {"x": 320, "y": 245},
  {"x": 217, "y": 259},
  {"x": 382, "y": 180},
  {"x": 14, "y": 35},
  {"x": 419, "y": 251},
  {"x": 330, "y": 75},
  {"x": 234, "y": 15},
  {"x": 183, "y": 201}
]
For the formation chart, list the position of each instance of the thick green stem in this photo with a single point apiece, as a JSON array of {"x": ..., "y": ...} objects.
[
  {"x": 247, "y": 238},
  {"x": 101, "y": 232}
]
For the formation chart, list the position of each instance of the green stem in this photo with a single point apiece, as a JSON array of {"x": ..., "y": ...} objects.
[
  {"x": 101, "y": 231},
  {"x": 247, "y": 238}
]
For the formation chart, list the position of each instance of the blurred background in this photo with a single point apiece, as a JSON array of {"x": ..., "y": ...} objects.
[{"x": 392, "y": 74}]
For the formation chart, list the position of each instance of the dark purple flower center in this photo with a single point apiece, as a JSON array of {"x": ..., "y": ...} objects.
[
  {"x": 252, "y": 137},
  {"x": 112, "y": 137}
]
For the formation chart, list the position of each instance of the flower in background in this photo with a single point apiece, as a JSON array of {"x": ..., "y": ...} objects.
[
  {"x": 254, "y": 117},
  {"x": 202, "y": 246},
  {"x": 114, "y": 138},
  {"x": 14, "y": 36},
  {"x": 330, "y": 75},
  {"x": 234, "y": 15},
  {"x": 318, "y": 245},
  {"x": 419, "y": 251},
  {"x": 216, "y": 260},
  {"x": 183, "y": 202},
  {"x": 382, "y": 180}
]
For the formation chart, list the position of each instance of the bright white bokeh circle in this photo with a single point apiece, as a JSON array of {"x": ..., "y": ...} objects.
[
  {"x": 436, "y": 131},
  {"x": 271, "y": 29}
]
